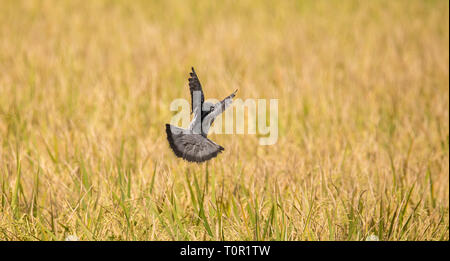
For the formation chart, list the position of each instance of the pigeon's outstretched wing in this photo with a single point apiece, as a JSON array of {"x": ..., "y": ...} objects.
[
  {"x": 192, "y": 147},
  {"x": 195, "y": 87},
  {"x": 217, "y": 110}
]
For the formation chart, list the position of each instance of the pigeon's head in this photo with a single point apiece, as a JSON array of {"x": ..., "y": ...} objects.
[{"x": 208, "y": 107}]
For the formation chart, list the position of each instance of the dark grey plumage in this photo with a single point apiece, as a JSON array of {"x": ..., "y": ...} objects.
[
  {"x": 192, "y": 147},
  {"x": 192, "y": 143}
]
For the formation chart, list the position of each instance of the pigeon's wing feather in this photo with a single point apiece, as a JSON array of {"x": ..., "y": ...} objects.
[
  {"x": 222, "y": 105},
  {"x": 218, "y": 109},
  {"x": 192, "y": 147},
  {"x": 195, "y": 87}
]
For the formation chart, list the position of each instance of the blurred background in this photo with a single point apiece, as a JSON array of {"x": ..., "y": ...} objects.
[{"x": 363, "y": 86}]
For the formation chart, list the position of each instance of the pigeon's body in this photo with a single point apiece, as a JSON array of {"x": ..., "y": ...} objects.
[{"x": 192, "y": 143}]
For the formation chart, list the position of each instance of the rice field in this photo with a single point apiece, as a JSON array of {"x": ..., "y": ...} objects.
[{"x": 363, "y": 131}]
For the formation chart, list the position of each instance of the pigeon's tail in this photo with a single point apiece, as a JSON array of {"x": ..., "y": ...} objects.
[
  {"x": 171, "y": 137},
  {"x": 191, "y": 147}
]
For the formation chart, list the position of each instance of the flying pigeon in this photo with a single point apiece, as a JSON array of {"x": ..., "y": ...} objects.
[{"x": 192, "y": 143}]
